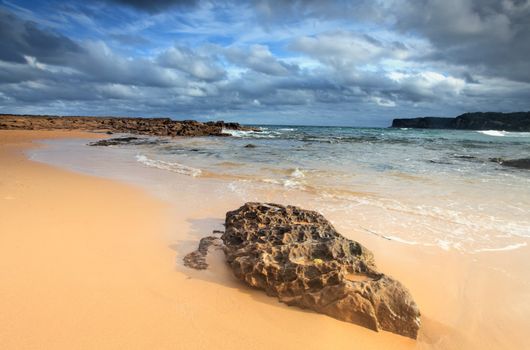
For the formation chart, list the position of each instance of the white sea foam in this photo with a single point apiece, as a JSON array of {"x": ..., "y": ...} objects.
[
  {"x": 171, "y": 166},
  {"x": 289, "y": 183},
  {"x": 250, "y": 134},
  {"x": 502, "y": 133},
  {"x": 443, "y": 244},
  {"x": 239, "y": 188},
  {"x": 401, "y": 240},
  {"x": 297, "y": 173},
  {"x": 508, "y": 247},
  {"x": 238, "y": 133},
  {"x": 492, "y": 132}
]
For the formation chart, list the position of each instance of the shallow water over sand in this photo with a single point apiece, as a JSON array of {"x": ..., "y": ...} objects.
[{"x": 425, "y": 187}]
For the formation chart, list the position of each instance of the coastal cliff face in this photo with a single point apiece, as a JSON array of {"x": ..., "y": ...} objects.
[
  {"x": 519, "y": 121},
  {"x": 145, "y": 126},
  {"x": 299, "y": 257}
]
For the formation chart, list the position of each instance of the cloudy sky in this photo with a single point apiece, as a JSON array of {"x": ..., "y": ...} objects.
[{"x": 273, "y": 62}]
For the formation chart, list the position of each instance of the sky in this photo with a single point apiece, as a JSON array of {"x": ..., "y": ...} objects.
[{"x": 358, "y": 63}]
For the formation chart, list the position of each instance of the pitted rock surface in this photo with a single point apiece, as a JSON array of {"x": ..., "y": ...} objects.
[
  {"x": 299, "y": 257},
  {"x": 197, "y": 259}
]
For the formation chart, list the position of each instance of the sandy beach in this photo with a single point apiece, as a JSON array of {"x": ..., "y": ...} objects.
[{"x": 87, "y": 263}]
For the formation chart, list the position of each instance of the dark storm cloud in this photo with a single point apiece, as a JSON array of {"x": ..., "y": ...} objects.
[
  {"x": 20, "y": 38},
  {"x": 24, "y": 43},
  {"x": 285, "y": 11},
  {"x": 154, "y": 6},
  {"x": 490, "y": 36}
]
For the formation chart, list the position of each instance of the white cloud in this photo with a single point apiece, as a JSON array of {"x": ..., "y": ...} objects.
[
  {"x": 198, "y": 66},
  {"x": 428, "y": 84},
  {"x": 258, "y": 58},
  {"x": 343, "y": 49},
  {"x": 383, "y": 102}
]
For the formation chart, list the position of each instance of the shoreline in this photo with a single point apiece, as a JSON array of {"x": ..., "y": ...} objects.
[{"x": 467, "y": 301}]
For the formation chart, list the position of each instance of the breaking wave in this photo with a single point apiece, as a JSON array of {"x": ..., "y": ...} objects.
[
  {"x": 492, "y": 132},
  {"x": 261, "y": 134},
  {"x": 171, "y": 166},
  {"x": 502, "y": 133}
]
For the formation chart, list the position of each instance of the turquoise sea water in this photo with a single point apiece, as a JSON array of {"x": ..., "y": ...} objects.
[
  {"x": 430, "y": 187},
  {"x": 343, "y": 151}
]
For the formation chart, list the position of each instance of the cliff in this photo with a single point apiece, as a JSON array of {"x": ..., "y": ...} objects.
[
  {"x": 145, "y": 126},
  {"x": 519, "y": 121}
]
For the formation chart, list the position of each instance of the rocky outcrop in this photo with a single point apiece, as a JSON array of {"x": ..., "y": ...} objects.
[
  {"x": 523, "y": 163},
  {"x": 115, "y": 141},
  {"x": 297, "y": 256},
  {"x": 144, "y": 126},
  {"x": 128, "y": 140},
  {"x": 519, "y": 121}
]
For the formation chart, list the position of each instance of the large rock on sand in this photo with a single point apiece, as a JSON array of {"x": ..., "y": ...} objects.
[{"x": 297, "y": 256}]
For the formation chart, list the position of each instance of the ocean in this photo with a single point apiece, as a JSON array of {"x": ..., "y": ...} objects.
[{"x": 434, "y": 188}]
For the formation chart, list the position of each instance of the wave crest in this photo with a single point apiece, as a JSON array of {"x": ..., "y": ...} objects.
[
  {"x": 171, "y": 166},
  {"x": 501, "y": 133}
]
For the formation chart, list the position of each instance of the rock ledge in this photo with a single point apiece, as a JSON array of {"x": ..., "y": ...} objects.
[{"x": 142, "y": 126}]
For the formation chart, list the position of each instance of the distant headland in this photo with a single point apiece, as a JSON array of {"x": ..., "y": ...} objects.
[{"x": 517, "y": 121}]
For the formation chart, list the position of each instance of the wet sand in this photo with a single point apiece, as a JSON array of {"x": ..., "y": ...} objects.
[{"x": 89, "y": 263}]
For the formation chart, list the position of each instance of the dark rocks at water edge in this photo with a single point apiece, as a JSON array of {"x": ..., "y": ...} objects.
[
  {"x": 128, "y": 140},
  {"x": 115, "y": 141},
  {"x": 297, "y": 256},
  {"x": 519, "y": 121},
  {"x": 523, "y": 163},
  {"x": 144, "y": 126}
]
